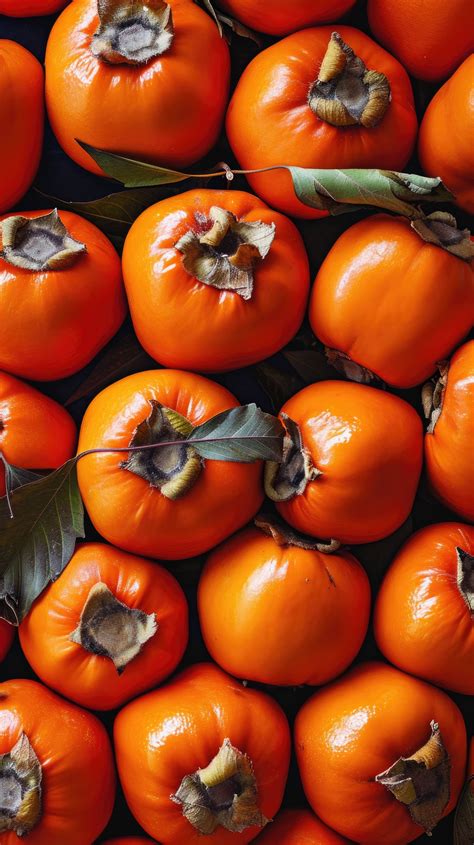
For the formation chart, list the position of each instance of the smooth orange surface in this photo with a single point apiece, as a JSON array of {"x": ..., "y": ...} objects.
[
  {"x": 201, "y": 327},
  {"x": 268, "y": 613},
  {"x": 431, "y": 38},
  {"x": 449, "y": 449},
  {"x": 92, "y": 680},
  {"x": 283, "y": 16},
  {"x": 35, "y": 431},
  {"x": 22, "y": 111},
  {"x": 53, "y": 323},
  {"x": 390, "y": 301},
  {"x": 7, "y": 633},
  {"x": 78, "y": 778},
  {"x": 368, "y": 446},
  {"x": 269, "y": 120},
  {"x": 422, "y": 622},
  {"x": 168, "y": 111},
  {"x": 299, "y": 827},
  {"x": 173, "y": 731},
  {"x": 128, "y": 840},
  {"x": 445, "y": 141},
  {"x": 25, "y": 8},
  {"x": 130, "y": 513},
  {"x": 355, "y": 729}
]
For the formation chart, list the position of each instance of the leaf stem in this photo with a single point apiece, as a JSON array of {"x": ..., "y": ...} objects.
[{"x": 7, "y": 491}]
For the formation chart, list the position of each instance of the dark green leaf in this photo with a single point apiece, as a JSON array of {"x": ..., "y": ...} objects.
[
  {"x": 464, "y": 818},
  {"x": 277, "y": 384},
  {"x": 17, "y": 476},
  {"x": 239, "y": 28},
  {"x": 132, "y": 173},
  {"x": 210, "y": 8},
  {"x": 242, "y": 434},
  {"x": 310, "y": 364},
  {"x": 38, "y": 542}
]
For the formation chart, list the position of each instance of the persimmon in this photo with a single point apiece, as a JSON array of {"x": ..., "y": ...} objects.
[
  {"x": 351, "y": 462},
  {"x": 35, "y": 431},
  {"x": 123, "y": 77},
  {"x": 431, "y": 38},
  {"x": 165, "y": 502},
  {"x": 450, "y": 436},
  {"x": 112, "y": 626},
  {"x": 22, "y": 111},
  {"x": 269, "y": 601},
  {"x": 30, "y": 8},
  {"x": 7, "y": 633},
  {"x": 299, "y": 827},
  {"x": 57, "y": 780},
  {"x": 320, "y": 99},
  {"x": 61, "y": 293},
  {"x": 203, "y": 755},
  {"x": 388, "y": 748},
  {"x": 393, "y": 297},
  {"x": 226, "y": 278},
  {"x": 128, "y": 840},
  {"x": 444, "y": 142},
  {"x": 283, "y": 16},
  {"x": 423, "y": 615}
]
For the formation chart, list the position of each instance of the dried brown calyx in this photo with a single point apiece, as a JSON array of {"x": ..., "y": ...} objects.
[
  {"x": 441, "y": 229},
  {"x": 224, "y": 251},
  {"x": 132, "y": 32},
  {"x": 465, "y": 577},
  {"x": 289, "y": 478},
  {"x": 20, "y": 788},
  {"x": 349, "y": 368},
  {"x": 346, "y": 93},
  {"x": 284, "y": 535},
  {"x": 432, "y": 395},
  {"x": 38, "y": 243}
]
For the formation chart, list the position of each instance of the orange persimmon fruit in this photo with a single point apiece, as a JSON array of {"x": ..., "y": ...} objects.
[
  {"x": 281, "y": 17},
  {"x": 30, "y": 8},
  {"x": 299, "y": 827}
]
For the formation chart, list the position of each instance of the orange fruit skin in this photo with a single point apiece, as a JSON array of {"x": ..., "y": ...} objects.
[
  {"x": 7, "y": 633},
  {"x": 392, "y": 302},
  {"x": 422, "y": 623},
  {"x": 368, "y": 445},
  {"x": 128, "y": 840},
  {"x": 284, "y": 16},
  {"x": 30, "y": 8},
  {"x": 22, "y": 110},
  {"x": 216, "y": 330},
  {"x": 173, "y": 731},
  {"x": 269, "y": 121},
  {"x": 444, "y": 142},
  {"x": 92, "y": 680},
  {"x": 449, "y": 448},
  {"x": 356, "y": 728},
  {"x": 299, "y": 827},
  {"x": 72, "y": 746},
  {"x": 431, "y": 39},
  {"x": 164, "y": 112},
  {"x": 130, "y": 513},
  {"x": 268, "y": 612}
]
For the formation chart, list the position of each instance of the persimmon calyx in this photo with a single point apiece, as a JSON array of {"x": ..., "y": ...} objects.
[
  {"x": 422, "y": 781},
  {"x": 20, "y": 788},
  {"x": 345, "y": 92},
  {"x": 173, "y": 469},
  {"x": 465, "y": 577},
  {"x": 223, "y": 794},
  {"x": 38, "y": 243},
  {"x": 347, "y": 367},
  {"x": 432, "y": 395},
  {"x": 109, "y": 628},
  {"x": 285, "y": 480},
  {"x": 441, "y": 229},
  {"x": 284, "y": 535},
  {"x": 134, "y": 32},
  {"x": 223, "y": 251}
]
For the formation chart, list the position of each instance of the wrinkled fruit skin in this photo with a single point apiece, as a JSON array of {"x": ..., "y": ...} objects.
[
  {"x": 269, "y": 121},
  {"x": 27, "y": 8},
  {"x": 178, "y": 729},
  {"x": 22, "y": 110},
  {"x": 356, "y": 728},
  {"x": 7, "y": 633},
  {"x": 202, "y": 328},
  {"x": 295, "y": 827},
  {"x": 164, "y": 112},
  {"x": 281, "y": 17},
  {"x": 422, "y": 622},
  {"x": 424, "y": 300}
]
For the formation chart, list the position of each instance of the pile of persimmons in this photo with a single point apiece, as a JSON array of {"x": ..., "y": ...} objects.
[{"x": 267, "y": 600}]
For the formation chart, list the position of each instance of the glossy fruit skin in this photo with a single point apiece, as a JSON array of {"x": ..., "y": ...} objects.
[
  {"x": 299, "y": 827},
  {"x": 124, "y": 508},
  {"x": 128, "y": 840},
  {"x": 431, "y": 39},
  {"x": 368, "y": 445},
  {"x": 356, "y": 728},
  {"x": 215, "y": 330},
  {"x": 137, "y": 111},
  {"x": 268, "y": 612},
  {"x": 284, "y": 16},
  {"x": 422, "y": 623},
  {"x": 269, "y": 121},
  {"x": 192, "y": 716},
  {"x": 444, "y": 147},
  {"x": 78, "y": 785},
  {"x": 92, "y": 680},
  {"x": 7, "y": 633},
  {"x": 63, "y": 317},
  {"x": 35, "y": 431},
  {"x": 27, "y": 8},
  {"x": 382, "y": 260},
  {"x": 22, "y": 110},
  {"x": 448, "y": 447}
]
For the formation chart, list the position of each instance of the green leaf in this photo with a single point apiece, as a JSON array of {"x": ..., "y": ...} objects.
[
  {"x": 243, "y": 434},
  {"x": 132, "y": 173},
  {"x": 277, "y": 384},
  {"x": 38, "y": 542},
  {"x": 464, "y": 817},
  {"x": 239, "y": 29},
  {"x": 310, "y": 364},
  {"x": 17, "y": 476}
]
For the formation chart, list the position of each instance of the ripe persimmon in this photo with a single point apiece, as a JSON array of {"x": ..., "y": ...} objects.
[
  {"x": 128, "y": 840},
  {"x": 299, "y": 827},
  {"x": 202, "y": 755},
  {"x": 30, "y": 8},
  {"x": 386, "y": 747},
  {"x": 283, "y": 16},
  {"x": 7, "y": 633}
]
